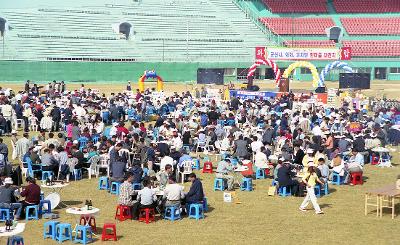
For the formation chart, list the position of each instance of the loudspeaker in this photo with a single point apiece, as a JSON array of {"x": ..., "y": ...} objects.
[
  {"x": 320, "y": 90},
  {"x": 334, "y": 33},
  {"x": 2, "y": 26},
  {"x": 125, "y": 28},
  {"x": 253, "y": 88},
  {"x": 210, "y": 76},
  {"x": 355, "y": 80}
]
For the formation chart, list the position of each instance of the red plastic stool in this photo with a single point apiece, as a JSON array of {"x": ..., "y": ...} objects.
[
  {"x": 356, "y": 178},
  {"x": 208, "y": 167},
  {"x": 106, "y": 236},
  {"x": 267, "y": 172},
  {"x": 374, "y": 159},
  {"x": 91, "y": 223},
  {"x": 123, "y": 213},
  {"x": 147, "y": 214}
]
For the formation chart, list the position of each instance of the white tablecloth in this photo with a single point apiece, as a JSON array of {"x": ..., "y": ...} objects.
[{"x": 17, "y": 230}]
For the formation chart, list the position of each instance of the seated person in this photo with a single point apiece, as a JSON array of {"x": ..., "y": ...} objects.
[
  {"x": 322, "y": 170},
  {"x": 49, "y": 163},
  {"x": 357, "y": 157},
  {"x": 223, "y": 169},
  {"x": 164, "y": 175},
  {"x": 173, "y": 193},
  {"x": 147, "y": 196},
  {"x": 285, "y": 178},
  {"x": 137, "y": 173},
  {"x": 8, "y": 197},
  {"x": 353, "y": 166},
  {"x": 31, "y": 194},
  {"x": 196, "y": 193},
  {"x": 126, "y": 194}
]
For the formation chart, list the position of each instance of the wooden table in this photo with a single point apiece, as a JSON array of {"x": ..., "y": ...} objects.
[{"x": 385, "y": 198}]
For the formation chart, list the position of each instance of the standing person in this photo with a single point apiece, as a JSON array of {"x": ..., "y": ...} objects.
[
  {"x": 22, "y": 145},
  {"x": 56, "y": 116},
  {"x": 4, "y": 150},
  {"x": 129, "y": 86},
  {"x": 310, "y": 180}
]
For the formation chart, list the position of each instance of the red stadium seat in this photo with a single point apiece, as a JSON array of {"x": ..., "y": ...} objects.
[
  {"x": 377, "y": 48},
  {"x": 366, "y": 6},
  {"x": 298, "y": 26},
  {"x": 371, "y": 26},
  {"x": 310, "y": 44},
  {"x": 289, "y": 6}
]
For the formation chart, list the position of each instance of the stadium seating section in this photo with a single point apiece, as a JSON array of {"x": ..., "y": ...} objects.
[
  {"x": 298, "y": 26},
  {"x": 310, "y": 43},
  {"x": 295, "y": 6},
  {"x": 374, "y": 48},
  {"x": 366, "y": 6},
  {"x": 372, "y": 26}
]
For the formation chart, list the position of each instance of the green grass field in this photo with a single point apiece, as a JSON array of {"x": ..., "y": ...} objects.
[{"x": 259, "y": 219}]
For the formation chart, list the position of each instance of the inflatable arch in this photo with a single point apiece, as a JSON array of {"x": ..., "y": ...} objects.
[
  {"x": 268, "y": 62},
  {"x": 329, "y": 67},
  {"x": 306, "y": 64},
  {"x": 147, "y": 75}
]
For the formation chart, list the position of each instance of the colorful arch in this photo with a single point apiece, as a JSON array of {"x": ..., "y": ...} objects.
[
  {"x": 306, "y": 64},
  {"x": 150, "y": 74},
  {"x": 329, "y": 67},
  {"x": 270, "y": 63}
]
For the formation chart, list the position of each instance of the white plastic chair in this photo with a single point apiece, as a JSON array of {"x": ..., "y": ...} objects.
[
  {"x": 104, "y": 163},
  {"x": 187, "y": 169},
  {"x": 92, "y": 169}
]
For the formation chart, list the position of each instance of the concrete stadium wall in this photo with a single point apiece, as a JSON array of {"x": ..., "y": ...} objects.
[{"x": 13, "y": 71}]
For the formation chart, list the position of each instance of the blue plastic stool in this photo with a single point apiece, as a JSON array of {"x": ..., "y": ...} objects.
[
  {"x": 317, "y": 190},
  {"x": 46, "y": 174},
  {"x": 63, "y": 232},
  {"x": 41, "y": 204},
  {"x": 77, "y": 174},
  {"x": 83, "y": 234},
  {"x": 205, "y": 204},
  {"x": 246, "y": 185},
  {"x": 284, "y": 191},
  {"x": 260, "y": 173},
  {"x": 15, "y": 240},
  {"x": 219, "y": 184},
  {"x": 103, "y": 183},
  {"x": 196, "y": 164},
  {"x": 326, "y": 189},
  {"x": 35, "y": 214},
  {"x": 196, "y": 211},
  {"x": 50, "y": 229},
  {"x": 137, "y": 186},
  {"x": 115, "y": 188},
  {"x": 172, "y": 213},
  {"x": 4, "y": 214},
  {"x": 337, "y": 179}
]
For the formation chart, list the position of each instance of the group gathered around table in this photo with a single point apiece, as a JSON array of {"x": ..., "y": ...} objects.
[{"x": 144, "y": 144}]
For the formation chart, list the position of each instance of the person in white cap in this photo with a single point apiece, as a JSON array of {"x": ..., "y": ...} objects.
[
  {"x": 310, "y": 180},
  {"x": 7, "y": 197},
  {"x": 308, "y": 158}
]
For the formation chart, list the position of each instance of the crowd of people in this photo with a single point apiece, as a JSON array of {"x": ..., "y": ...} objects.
[{"x": 149, "y": 138}]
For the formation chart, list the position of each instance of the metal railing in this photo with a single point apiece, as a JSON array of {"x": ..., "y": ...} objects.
[{"x": 255, "y": 18}]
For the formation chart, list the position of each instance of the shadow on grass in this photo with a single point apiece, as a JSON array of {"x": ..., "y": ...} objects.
[
  {"x": 71, "y": 203},
  {"x": 325, "y": 205}
]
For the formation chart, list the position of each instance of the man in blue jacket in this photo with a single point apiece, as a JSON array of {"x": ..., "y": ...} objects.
[{"x": 195, "y": 194}]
